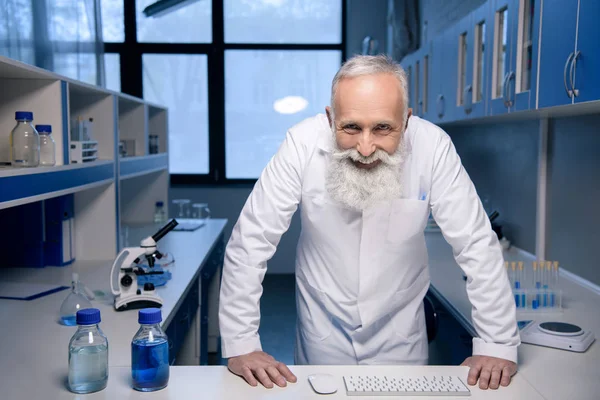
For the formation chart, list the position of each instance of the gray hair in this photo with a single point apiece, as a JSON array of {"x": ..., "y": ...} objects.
[{"x": 370, "y": 65}]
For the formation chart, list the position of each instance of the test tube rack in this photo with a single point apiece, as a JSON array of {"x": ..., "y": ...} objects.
[{"x": 536, "y": 288}]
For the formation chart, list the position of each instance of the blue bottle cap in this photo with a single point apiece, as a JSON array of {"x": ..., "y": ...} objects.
[
  {"x": 149, "y": 316},
  {"x": 160, "y": 204},
  {"x": 43, "y": 128},
  {"x": 88, "y": 316},
  {"x": 24, "y": 115}
]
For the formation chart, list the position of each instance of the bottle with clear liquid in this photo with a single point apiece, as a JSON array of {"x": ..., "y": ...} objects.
[
  {"x": 75, "y": 301},
  {"x": 24, "y": 142},
  {"x": 47, "y": 146},
  {"x": 160, "y": 215},
  {"x": 150, "y": 353},
  {"x": 88, "y": 354}
]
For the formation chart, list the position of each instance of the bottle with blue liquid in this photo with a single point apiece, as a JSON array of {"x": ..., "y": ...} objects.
[
  {"x": 150, "y": 353},
  {"x": 88, "y": 354}
]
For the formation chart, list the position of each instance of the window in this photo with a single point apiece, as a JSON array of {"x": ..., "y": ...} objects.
[
  {"x": 113, "y": 20},
  {"x": 191, "y": 23},
  {"x": 479, "y": 62},
  {"x": 112, "y": 69},
  {"x": 266, "y": 93},
  {"x": 525, "y": 49},
  {"x": 234, "y": 74},
  {"x": 500, "y": 46},
  {"x": 462, "y": 69},
  {"x": 313, "y": 21},
  {"x": 180, "y": 83},
  {"x": 79, "y": 66}
]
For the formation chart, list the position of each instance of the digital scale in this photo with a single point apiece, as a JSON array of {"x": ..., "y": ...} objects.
[{"x": 559, "y": 335}]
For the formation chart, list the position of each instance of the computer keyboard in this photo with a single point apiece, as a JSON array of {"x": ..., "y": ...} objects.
[{"x": 424, "y": 385}]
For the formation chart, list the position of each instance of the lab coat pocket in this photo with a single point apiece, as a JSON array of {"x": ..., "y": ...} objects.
[
  {"x": 409, "y": 321},
  {"x": 313, "y": 317},
  {"x": 408, "y": 218}
]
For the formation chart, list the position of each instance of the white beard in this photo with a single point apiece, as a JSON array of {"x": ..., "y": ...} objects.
[{"x": 358, "y": 188}]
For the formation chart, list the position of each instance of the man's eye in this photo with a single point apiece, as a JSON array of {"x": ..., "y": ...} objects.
[
  {"x": 351, "y": 128},
  {"x": 383, "y": 127}
]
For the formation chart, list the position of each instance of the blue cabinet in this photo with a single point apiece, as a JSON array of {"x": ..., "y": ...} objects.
[
  {"x": 570, "y": 57},
  {"x": 586, "y": 60},
  {"x": 525, "y": 28},
  {"x": 557, "y": 50},
  {"x": 472, "y": 64},
  {"x": 502, "y": 14}
]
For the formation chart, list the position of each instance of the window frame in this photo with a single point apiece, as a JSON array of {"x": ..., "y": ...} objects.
[{"x": 131, "y": 52}]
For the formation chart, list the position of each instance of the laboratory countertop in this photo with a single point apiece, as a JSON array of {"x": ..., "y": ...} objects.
[
  {"x": 35, "y": 346},
  {"x": 217, "y": 383},
  {"x": 555, "y": 374}
]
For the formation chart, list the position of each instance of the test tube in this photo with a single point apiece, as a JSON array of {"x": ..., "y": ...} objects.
[
  {"x": 546, "y": 282},
  {"x": 522, "y": 280},
  {"x": 515, "y": 279},
  {"x": 554, "y": 284},
  {"x": 536, "y": 284}
]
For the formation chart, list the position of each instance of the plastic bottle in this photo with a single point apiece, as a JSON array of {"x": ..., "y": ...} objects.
[
  {"x": 24, "y": 142},
  {"x": 160, "y": 216},
  {"x": 150, "y": 353},
  {"x": 47, "y": 146},
  {"x": 88, "y": 354},
  {"x": 75, "y": 301}
]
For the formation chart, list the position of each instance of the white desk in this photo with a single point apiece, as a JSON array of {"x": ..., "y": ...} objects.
[
  {"x": 217, "y": 383},
  {"x": 34, "y": 346},
  {"x": 556, "y": 374}
]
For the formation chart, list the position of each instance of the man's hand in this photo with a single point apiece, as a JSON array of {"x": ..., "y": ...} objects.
[
  {"x": 259, "y": 365},
  {"x": 490, "y": 371}
]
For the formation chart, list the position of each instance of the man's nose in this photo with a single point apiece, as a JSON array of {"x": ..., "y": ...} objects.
[{"x": 365, "y": 145}]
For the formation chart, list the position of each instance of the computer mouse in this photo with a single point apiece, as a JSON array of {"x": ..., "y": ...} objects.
[{"x": 323, "y": 383}]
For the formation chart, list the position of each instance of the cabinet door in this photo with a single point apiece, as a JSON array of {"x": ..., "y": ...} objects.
[
  {"x": 450, "y": 72},
  {"x": 586, "y": 64},
  {"x": 462, "y": 99},
  {"x": 479, "y": 61},
  {"x": 557, "y": 51},
  {"x": 525, "y": 30},
  {"x": 436, "y": 107},
  {"x": 501, "y": 17},
  {"x": 424, "y": 105}
]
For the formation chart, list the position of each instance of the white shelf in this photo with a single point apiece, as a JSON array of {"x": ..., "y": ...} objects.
[
  {"x": 131, "y": 167},
  {"x": 26, "y": 185}
]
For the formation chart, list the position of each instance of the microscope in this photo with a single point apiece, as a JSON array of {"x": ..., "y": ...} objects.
[{"x": 127, "y": 267}]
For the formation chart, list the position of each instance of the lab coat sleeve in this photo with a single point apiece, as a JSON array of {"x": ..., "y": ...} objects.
[
  {"x": 265, "y": 216},
  {"x": 459, "y": 213}
]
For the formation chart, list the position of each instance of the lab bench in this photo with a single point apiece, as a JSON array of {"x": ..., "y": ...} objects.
[
  {"x": 217, "y": 383},
  {"x": 35, "y": 346},
  {"x": 555, "y": 374}
]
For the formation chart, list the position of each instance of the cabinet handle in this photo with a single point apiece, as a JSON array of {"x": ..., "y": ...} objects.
[
  {"x": 569, "y": 92},
  {"x": 505, "y": 89},
  {"x": 509, "y": 97},
  {"x": 572, "y": 74},
  {"x": 440, "y": 104},
  {"x": 468, "y": 99}
]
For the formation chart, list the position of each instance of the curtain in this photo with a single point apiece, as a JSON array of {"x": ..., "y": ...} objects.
[{"x": 63, "y": 36}]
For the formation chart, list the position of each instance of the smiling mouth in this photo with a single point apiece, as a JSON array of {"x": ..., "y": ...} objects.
[{"x": 361, "y": 165}]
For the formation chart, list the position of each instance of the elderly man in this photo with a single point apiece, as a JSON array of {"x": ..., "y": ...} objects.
[{"x": 366, "y": 176}]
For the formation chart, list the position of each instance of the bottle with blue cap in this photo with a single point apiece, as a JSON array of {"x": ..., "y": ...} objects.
[
  {"x": 150, "y": 353},
  {"x": 47, "y": 145},
  {"x": 24, "y": 142},
  {"x": 88, "y": 354}
]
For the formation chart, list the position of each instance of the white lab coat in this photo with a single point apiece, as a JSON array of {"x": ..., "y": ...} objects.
[{"x": 361, "y": 276}]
